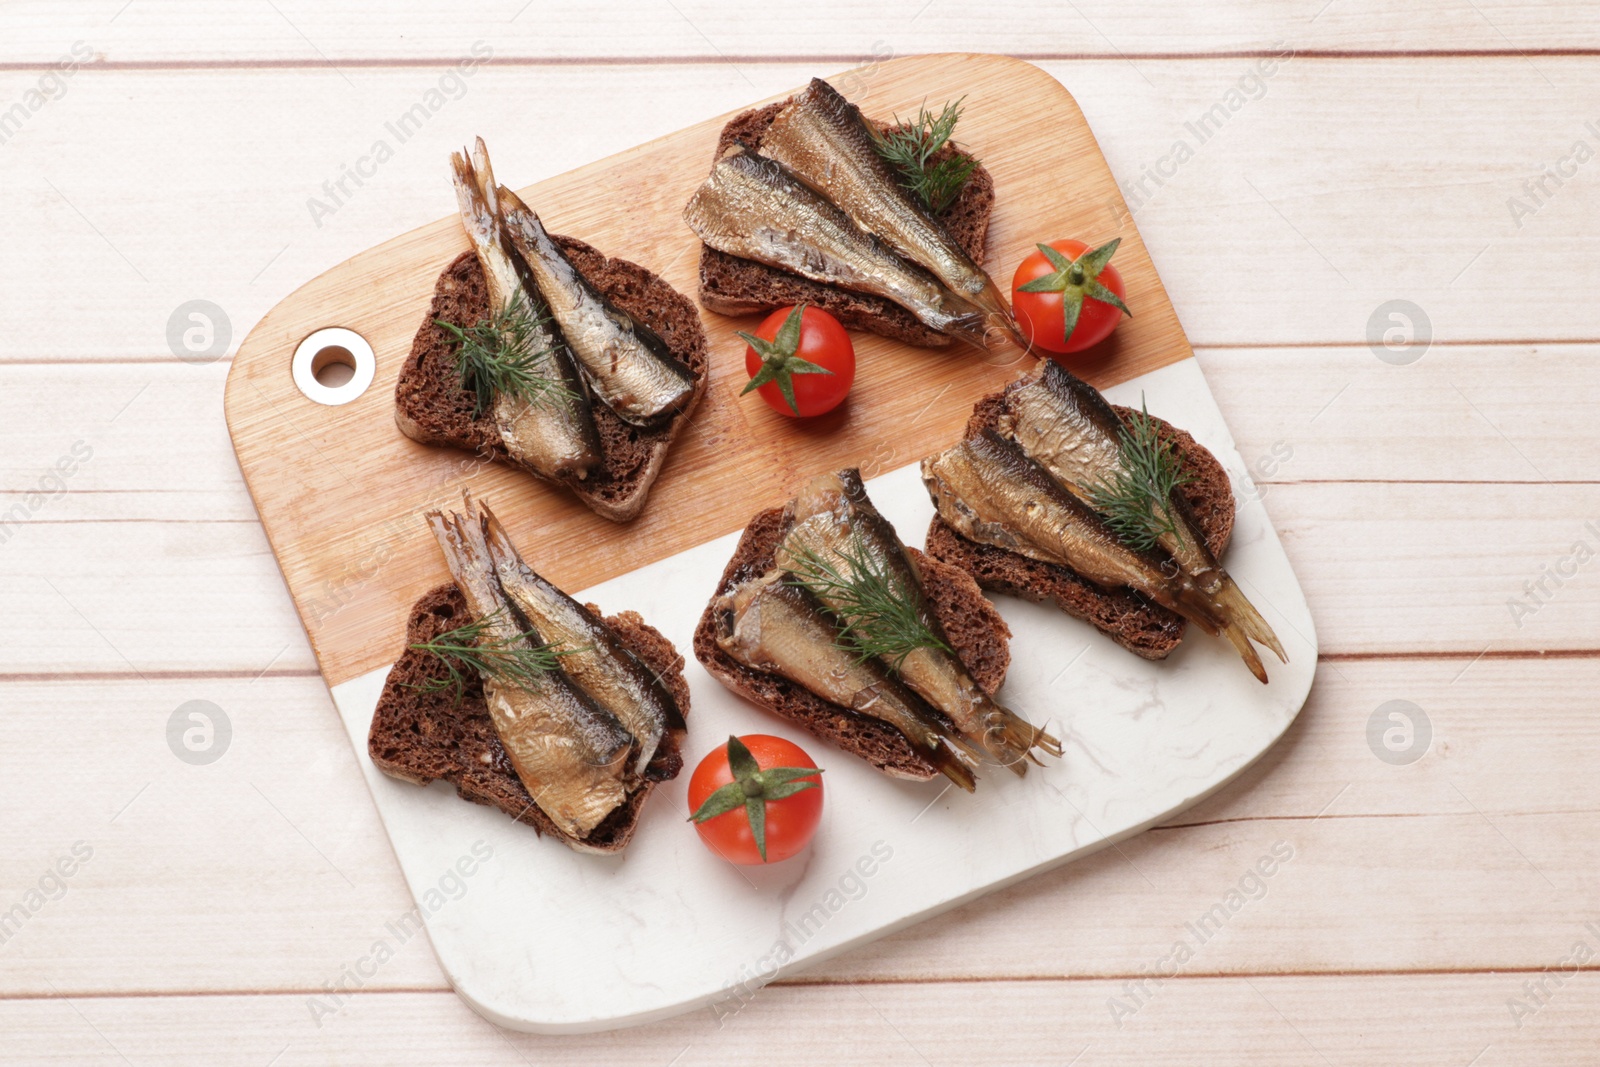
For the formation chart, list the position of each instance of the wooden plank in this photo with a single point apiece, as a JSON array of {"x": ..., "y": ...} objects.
[
  {"x": 1458, "y": 414},
  {"x": 1502, "y": 800},
  {"x": 1325, "y": 1021},
  {"x": 189, "y": 583},
  {"x": 231, "y": 224},
  {"x": 145, "y": 597},
  {"x": 1495, "y": 568},
  {"x": 1350, "y": 417},
  {"x": 1430, "y": 568},
  {"x": 1357, "y": 1019},
  {"x": 265, "y": 868},
  {"x": 169, "y": 31},
  {"x": 1490, "y": 813},
  {"x": 150, "y": 444},
  {"x": 370, "y": 484}
]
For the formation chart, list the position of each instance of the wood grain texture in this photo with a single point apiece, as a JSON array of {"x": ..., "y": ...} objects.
[
  {"x": 184, "y": 579},
  {"x": 1462, "y": 829},
  {"x": 1424, "y": 219},
  {"x": 1389, "y": 570},
  {"x": 1503, "y": 799},
  {"x": 342, "y": 494},
  {"x": 1325, "y": 1021},
  {"x": 312, "y": 35},
  {"x": 267, "y": 868},
  {"x": 1453, "y": 417},
  {"x": 1397, "y": 170}
]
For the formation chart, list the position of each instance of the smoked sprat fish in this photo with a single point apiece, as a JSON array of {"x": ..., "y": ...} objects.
[
  {"x": 771, "y": 625},
  {"x": 571, "y": 754},
  {"x": 825, "y": 141},
  {"x": 989, "y": 492},
  {"x": 837, "y": 527},
  {"x": 631, "y": 368},
  {"x": 553, "y": 434},
  {"x": 592, "y": 656},
  {"x": 753, "y": 207},
  {"x": 1064, "y": 424}
]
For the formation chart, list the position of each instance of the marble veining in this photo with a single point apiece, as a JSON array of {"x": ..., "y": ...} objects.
[{"x": 544, "y": 939}]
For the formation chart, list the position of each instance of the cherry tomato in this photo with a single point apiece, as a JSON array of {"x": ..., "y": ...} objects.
[
  {"x": 800, "y": 360},
  {"x": 750, "y": 774},
  {"x": 1078, "y": 284}
]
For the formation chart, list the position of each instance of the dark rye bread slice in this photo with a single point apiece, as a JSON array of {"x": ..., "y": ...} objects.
[
  {"x": 1143, "y": 628},
  {"x": 432, "y": 407},
  {"x": 975, "y": 629},
  {"x": 733, "y": 286},
  {"x": 426, "y": 737}
]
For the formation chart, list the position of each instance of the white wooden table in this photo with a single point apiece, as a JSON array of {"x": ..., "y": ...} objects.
[{"x": 1437, "y": 906}]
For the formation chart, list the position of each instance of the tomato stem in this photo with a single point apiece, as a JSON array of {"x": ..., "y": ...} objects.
[
  {"x": 1077, "y": 280},
  {"x": 752, "y": 789},
  {"x": 779, "y": 362}
]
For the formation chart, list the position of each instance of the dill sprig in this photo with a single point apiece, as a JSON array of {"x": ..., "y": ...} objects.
[
  {"x": 878, "y": 621},
  {"x": 910, "y": 146},
  {"x": 498, "y": 355},
  {"x": 1136, "y": 502},
  {"x": 521, "y": 660}
]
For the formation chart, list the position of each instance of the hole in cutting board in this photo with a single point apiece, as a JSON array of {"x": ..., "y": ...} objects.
[{"x": 333, "y": 366}]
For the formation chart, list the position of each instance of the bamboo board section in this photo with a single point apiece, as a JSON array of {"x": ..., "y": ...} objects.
[{"x": 341, "y": 492}]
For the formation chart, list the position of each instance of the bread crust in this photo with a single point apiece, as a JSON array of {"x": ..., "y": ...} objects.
[
  {"x": 975, "y": 629},
  {"x": 433, "y": 408},
  {"x": 1137, "y": 624},
  {"x": 730, "y": 285},
  {"x": 423, "y": 737}
]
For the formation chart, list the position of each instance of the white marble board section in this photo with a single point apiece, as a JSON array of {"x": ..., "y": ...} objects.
[{"x": 537, "y": 937}]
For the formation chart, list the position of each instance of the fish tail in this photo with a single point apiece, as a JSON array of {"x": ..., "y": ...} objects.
[
  {"x": 467, "y": 557},
  {"x": 997, "y": 313},
  {"x": 1246, "y": 650},
  {"x": 451, "y": 543},
  {"x": 476, "y": 215},
  {"x": 1042, "y": 740},
  {"x": 1010, "y": 739},
  {"x": 504, "y": 558},
  {"x": 1236, "y": 609},
  {"x": 982, "y": 319},
  {"x": 1216, "y": 615},
  {"x": 501, "y": 550},
  {"x": 970, "y": 326},
  {"x": 487, "y": 186},
  {"x": 944, "y": 755},
  {"x": 941, "y": 744}
]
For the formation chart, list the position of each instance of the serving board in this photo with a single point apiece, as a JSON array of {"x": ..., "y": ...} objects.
[{"x": 539, "y": 938}]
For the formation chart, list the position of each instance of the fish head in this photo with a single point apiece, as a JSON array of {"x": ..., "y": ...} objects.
[{"x": 737, "y": 615}]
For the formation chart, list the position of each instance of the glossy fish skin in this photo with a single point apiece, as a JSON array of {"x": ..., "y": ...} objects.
[
  {"x": 1064, "y": 424},
  {"x": 989, "y": 492},
  {"x": 770, "y": 625},
  {"x": 752, "y": 207},
  {"x": 826, "y": 142},
  {"x": 571, "y": 754},
  {"x": 631, "y": 368},
  {"x": 595, "y": 660},
  {"x": 555, "y": 437},
  {"x": 834, "y": 518}
]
